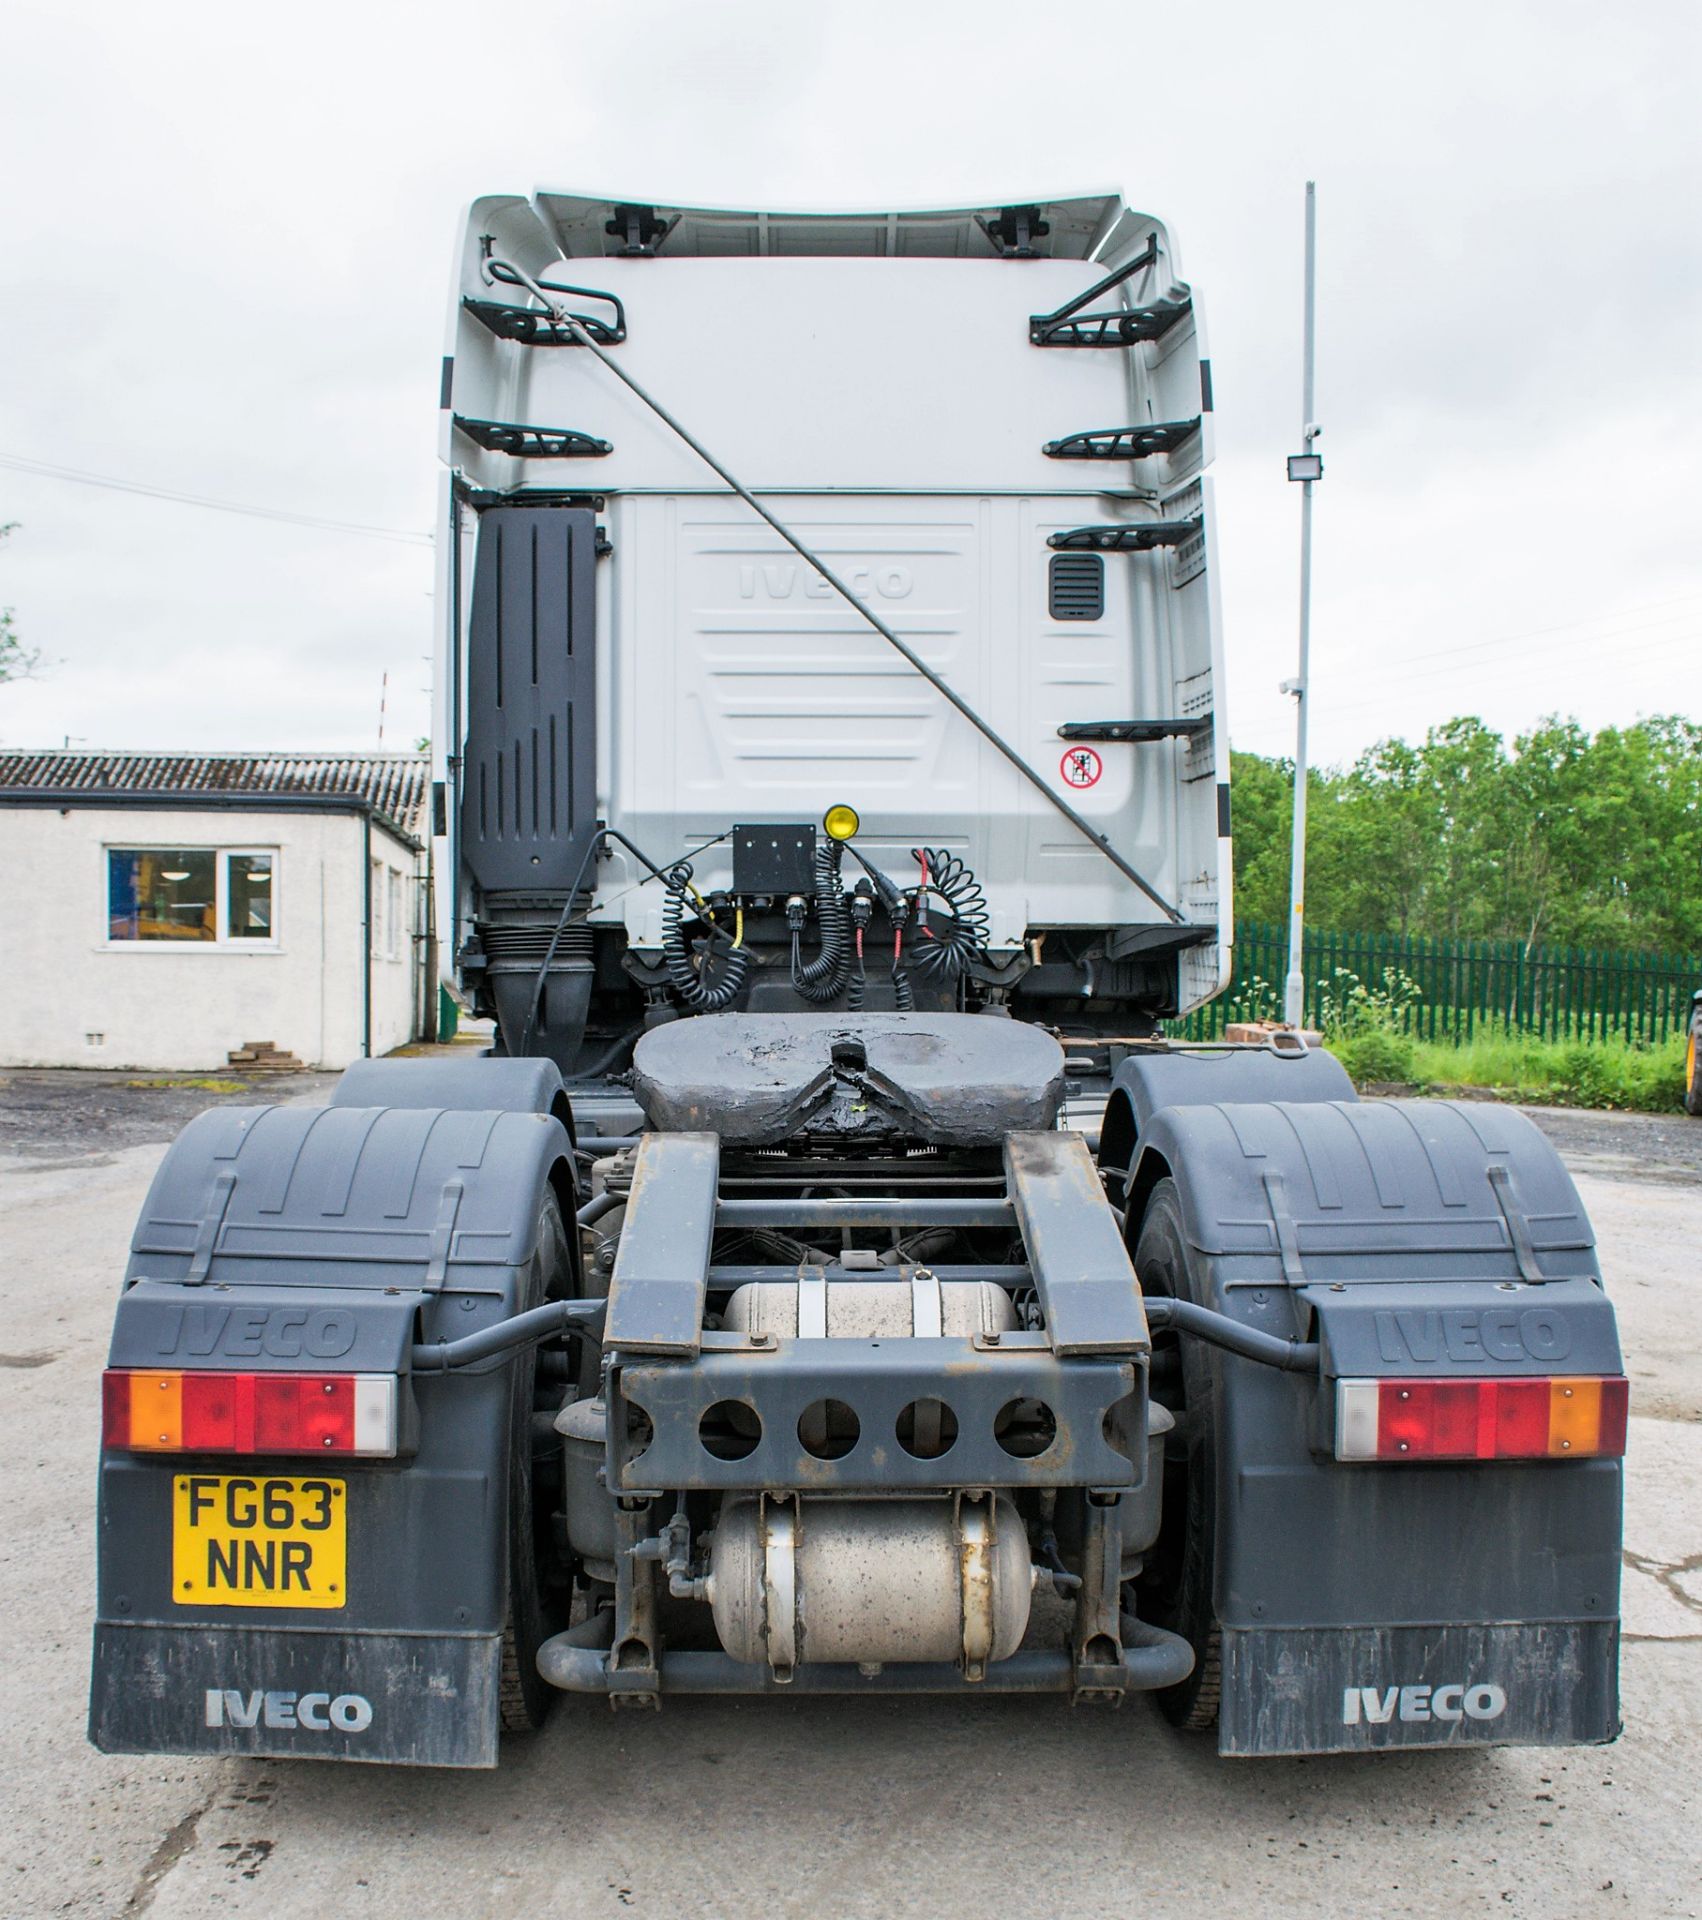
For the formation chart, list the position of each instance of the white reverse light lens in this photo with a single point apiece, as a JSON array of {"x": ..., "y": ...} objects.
[{"x": 1356, "y": 1419}]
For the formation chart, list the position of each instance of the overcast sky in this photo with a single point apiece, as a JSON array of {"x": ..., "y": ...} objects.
[{"x": 225, "y": 240}]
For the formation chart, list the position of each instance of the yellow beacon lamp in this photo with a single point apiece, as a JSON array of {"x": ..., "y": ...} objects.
[{"x": 840, "y": 822}]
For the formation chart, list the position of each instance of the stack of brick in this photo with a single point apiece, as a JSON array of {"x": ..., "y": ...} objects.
[
  {"x": 263, "y": 1056},
  {"x": 1257, "y": 1032}
]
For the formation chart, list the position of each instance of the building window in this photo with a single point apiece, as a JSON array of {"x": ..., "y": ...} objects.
[
  {"x": 388, "y": 909},
  {"x": 248, "y": 896},
  {"x": 206, "y": 895}
]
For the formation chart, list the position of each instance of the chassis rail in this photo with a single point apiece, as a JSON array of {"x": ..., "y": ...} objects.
[{"x": 577, "y": 1661}]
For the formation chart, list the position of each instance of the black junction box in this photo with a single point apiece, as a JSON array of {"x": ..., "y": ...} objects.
[{"x": 774, "y": 859}]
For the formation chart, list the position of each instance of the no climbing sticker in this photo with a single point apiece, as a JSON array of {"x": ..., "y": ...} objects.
[{"x": 1081, "y": 767}]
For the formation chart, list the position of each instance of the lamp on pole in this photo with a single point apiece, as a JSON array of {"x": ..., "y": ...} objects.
[{"x": 1307, "y": 468}]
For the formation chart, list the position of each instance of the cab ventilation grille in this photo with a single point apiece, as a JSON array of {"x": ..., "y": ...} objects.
[{"x": 1077, "y": 586}]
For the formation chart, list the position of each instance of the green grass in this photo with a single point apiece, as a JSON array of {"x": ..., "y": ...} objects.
[
  {"x": 193, "y": 1084},
  {"x": 1576, "y": 1073}
]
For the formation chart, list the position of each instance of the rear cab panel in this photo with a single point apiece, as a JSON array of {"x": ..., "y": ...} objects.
[{"x": 874, "y": 380}]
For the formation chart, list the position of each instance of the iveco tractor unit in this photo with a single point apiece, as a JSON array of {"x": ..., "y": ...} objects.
[{"x": 833, "y": 1280}]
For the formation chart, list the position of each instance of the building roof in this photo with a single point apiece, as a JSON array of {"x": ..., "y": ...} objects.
[{"x": 396, "y": 786}]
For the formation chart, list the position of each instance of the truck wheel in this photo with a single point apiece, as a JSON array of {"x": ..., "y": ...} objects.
[
  {"x": 1175, "y": 1587},
  {"x": 535, "y": 1609}
]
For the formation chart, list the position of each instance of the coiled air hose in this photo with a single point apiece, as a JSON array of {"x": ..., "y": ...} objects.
[
  {"x": 691, "y": 984},
  {"x": 945, "y": 952},
  {"x": 903, "y": 994},
  {"x": 862, "y": 911},
  {"x": 823, "y": 978}
]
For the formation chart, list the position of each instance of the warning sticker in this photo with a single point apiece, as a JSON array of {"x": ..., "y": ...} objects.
[{"x": 1081, "y": 767}]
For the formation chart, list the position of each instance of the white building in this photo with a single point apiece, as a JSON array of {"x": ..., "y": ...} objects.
[{"x": 163, "y": 910}]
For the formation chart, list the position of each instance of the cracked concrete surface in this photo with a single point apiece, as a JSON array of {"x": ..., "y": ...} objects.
[
  {"x": 815, "y": 1807},
  {"x": 166, "y": 1855}
]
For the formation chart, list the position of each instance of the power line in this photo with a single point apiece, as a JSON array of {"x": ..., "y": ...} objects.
[
  {"x": 1476, "y": 694},
  {"x": 1403, "y": 670},
  {"x": 324, "y": 525},
  {"x": 1591, "y": 621},
  {"x": 1495, "y": 673}
]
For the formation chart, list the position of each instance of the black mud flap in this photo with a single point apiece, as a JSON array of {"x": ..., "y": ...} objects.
[
  {"x": 424, "y": 1700},
  {"x": 1365, "y": 1689}
]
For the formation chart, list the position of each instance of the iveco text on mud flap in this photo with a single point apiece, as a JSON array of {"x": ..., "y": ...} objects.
[
  {"x": 835, "y": 780},
  {"x": 1453, "y": 1703},
  {"x": 318, "y": 1712}
]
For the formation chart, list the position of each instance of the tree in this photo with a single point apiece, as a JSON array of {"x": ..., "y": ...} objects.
[
  {"x": 1555, "y": 837},
  {"x": 1552, "y": 874},
  {"x": 1377, "y": 853},
  {"x": 1465, "y": 769},
  {"x": 1262, "y": 803},
  {"x": 17, "y": 662}
]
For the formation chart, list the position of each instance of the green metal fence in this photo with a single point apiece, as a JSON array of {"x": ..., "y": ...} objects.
[{"x": 1467, "y": 986}]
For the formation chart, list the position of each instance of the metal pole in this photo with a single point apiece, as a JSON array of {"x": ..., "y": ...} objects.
[
  {"x": 1294, "y": 995},
  {"x": 366, "y": 935}
]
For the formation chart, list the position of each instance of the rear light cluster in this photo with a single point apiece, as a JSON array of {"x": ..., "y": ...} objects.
[
  {"x": 320, "y": 1413},
  {"x": 1543, "y": 1419}
]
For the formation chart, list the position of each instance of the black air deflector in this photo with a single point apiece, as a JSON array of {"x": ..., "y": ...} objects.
[
  {"x": 1076, "y": 586},
  {"x": 529, "y": 784}
]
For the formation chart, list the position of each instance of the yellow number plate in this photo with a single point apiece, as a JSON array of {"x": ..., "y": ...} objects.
[{"x": 242, "y": 1541}]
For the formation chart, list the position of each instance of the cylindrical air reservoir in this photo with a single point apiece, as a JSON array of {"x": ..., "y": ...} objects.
[{"x": 818, "y": 1579}]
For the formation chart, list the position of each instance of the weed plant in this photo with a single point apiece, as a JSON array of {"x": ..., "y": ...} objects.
[{"x": 1365, "y": 1026}]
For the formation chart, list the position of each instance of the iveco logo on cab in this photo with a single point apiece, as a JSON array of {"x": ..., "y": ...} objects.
[
  {"x": 1456, "y": 1701},
  {"x": 779, "y": 582},
  {"x": 317, "y": 1712}
]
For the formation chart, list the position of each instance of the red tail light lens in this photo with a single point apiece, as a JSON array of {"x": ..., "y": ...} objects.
[
  {"x": 320, "y": 1413},
  {"x": 1549, "y": 1418}
]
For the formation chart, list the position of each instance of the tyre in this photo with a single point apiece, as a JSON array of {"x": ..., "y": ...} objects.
[
  {"x": 538, "y": 1588},
  {"x": 1176, "y": 1584},
  {"x": 1693, "y": 1067}
]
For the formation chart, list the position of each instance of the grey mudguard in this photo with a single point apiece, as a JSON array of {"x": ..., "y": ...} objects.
[
  {"x": 1413, "y": 1239},
  {"x": 1360, "y": 1190},
  {"x": 1154, "y": 1078},
  {"x": 163, "y": 1323},
  {"x": 325, "y": 1240},
  {"x": 480, "y": 1085},
  {"x": 347, "y": 1197}
]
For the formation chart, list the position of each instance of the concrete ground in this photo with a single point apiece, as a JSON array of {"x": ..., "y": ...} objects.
[
  {"x": 51, "y": 1113},
  {"x": 812, "y": 1808}
]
